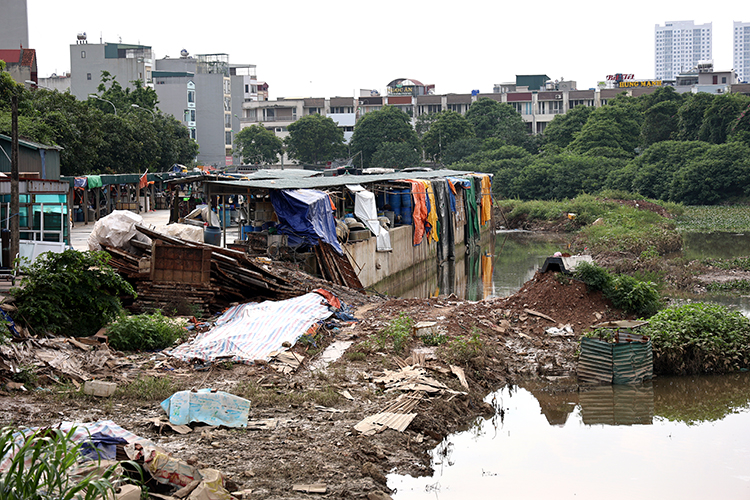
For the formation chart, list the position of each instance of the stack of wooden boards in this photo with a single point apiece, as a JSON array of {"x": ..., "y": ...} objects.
[{"x": 175, "y": 274}]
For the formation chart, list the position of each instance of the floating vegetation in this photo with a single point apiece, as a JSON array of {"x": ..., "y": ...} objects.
[{"x": 704, "y": 218}]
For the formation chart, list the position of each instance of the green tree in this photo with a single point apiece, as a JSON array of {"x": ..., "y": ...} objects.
[
  {"x": 258, "y": 145},
  {"x": 493, "y": 119},
  {"x": 461, "y": 149},
  {"x": 691, "y": 113},
  {"x": 385, "y": 125},
  {"x": 423, "y": 122},
  {"x": 315, "y": 138},
  {"x": 563, "y": 128},
  {"x": 721, "y": 115},
  {"x": 720, "y": 174},
  {"x": 447, "y": 128},
  {"x": 395, "y": 155},
  {"x": 652, "y": 172},
  {"x": 660, "y": 123},
  {"x": 611, "y": 131}
]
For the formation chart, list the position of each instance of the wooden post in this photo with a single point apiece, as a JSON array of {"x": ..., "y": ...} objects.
[{"x": 15, "y": 205}]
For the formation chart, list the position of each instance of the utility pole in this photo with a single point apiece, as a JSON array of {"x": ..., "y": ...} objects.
[{"x": 14, "y": 198}]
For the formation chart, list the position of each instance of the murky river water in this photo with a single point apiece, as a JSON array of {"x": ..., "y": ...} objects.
[{"x": 683, "y": 438}]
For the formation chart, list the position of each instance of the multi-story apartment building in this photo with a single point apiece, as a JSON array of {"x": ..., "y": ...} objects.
[
  {"x": 679, "y": 46},
  {"x": 126, "y": 63},
  {"x": 14, "y": 25},
  {"x": 206, "y": 93},
  {"x": 741, "y": 50}
]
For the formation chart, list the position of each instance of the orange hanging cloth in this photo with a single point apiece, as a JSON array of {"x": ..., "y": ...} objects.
[{"x": 419, "y": 215}]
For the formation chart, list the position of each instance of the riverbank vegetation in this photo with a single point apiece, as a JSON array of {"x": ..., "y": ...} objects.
[{"x": 699, "y": 338}]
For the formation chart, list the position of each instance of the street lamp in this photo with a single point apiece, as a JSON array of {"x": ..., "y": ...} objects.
[
  {"x": 153, "y": 116},
  {"x": 34, "y": 84},
  {"x": 94, "y": 96}
]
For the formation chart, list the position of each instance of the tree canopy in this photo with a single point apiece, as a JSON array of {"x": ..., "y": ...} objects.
[
  {"x": 315, "y": 138},
  {"x": 385, "y": 125},
  {"x": 447, "y": 128},
  {"x": 500, "y": 120},
  {"x": 258, "y": 145}
]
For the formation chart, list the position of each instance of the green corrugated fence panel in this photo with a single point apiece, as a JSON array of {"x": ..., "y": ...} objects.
[
  {"x": 617, "y": 405},
  {"x": 595, "y": 362},
  {"x": 632, "y": 362}
]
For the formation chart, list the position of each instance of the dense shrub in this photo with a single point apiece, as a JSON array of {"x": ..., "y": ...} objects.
[
  {"x": 625, "y": 292},
  {"x": 70, "y": 293},
  {"x": 699, "y": 338},
  {"x": 144, "y": 332}
]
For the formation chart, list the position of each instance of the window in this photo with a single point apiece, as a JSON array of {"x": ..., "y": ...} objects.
[
  {"x": 192, "y": 115},
  {"x": 247, "y": 88},
  {"x": 191, "y": 96},
  {"x": 723, "y": 79},
  {"x": 227, "y": 104},
  {"x": 313, "y": 111},
  {"x": 192, "y": 134},
  {"x": 88, "y": 76},
  {"x": 83, "y": 54},
  {"x": 186, "y": 117},
  {"x": 228, "y": 137},
  {"x": 227, "y": 121},
  {"x": 270, "y": 114}
]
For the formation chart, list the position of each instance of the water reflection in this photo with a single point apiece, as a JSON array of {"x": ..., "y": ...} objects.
[
  {"x": 674, "y": 438},
  {"x": 698, "y": 246}
]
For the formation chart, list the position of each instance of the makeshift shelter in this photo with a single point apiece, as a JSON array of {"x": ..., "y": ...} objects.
[{"x": 305, "y": 216}]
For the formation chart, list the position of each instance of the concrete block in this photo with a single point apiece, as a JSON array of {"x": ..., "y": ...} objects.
[{"x": 99, "y": 388}]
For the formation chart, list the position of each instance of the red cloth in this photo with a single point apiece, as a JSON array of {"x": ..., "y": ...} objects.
[
  {"x": 144, "y": 180},
  {"x": 419, "y": 216}
]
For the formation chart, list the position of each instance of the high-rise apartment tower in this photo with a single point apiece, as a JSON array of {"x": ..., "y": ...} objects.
[{"x": 679, "y": 46}]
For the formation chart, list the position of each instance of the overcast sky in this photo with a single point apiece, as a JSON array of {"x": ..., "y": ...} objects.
[{"x": 331, "y": 48}]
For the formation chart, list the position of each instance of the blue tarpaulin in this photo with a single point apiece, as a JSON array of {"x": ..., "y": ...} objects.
[{"x": 306, "y": 215}]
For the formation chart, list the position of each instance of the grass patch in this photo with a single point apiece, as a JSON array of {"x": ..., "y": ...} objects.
[
  {"x": 393, "y": 337},
  {"x": 269, "y": 397},
  {"x": 144, "y": 332},
  {"x": 148, "y": 389},
  {"x": 739, "y": 263},
  {"x": 462, "y": 348}
]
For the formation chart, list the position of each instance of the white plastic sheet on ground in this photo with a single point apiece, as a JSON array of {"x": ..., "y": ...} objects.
[
  {"x": 365, "y": 210},
  {"x": 212, "y": 408},
  {"x": 116, "y": 230},
  {"x": 251, "y": 331}
]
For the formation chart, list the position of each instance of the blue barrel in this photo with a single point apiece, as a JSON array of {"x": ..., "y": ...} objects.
[
  {"x": 394, "y": 199},
  {"x": 406, "y": 206},
  {"x": 246, "y": 229},
  {"x": 212, "y": 235}
]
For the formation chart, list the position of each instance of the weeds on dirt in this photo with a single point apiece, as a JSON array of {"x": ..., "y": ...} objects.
[
  {"x": 434, "y": 339},
  {"x": 462, "y": 348},
  {"x": 26, "y": 375},
  {"x": 269, "y": 397},
  {"x": 53, "y": 454},
  {"x": 625, "y": 292},
  {"x": 699, "y": 338},
  {"x": 355, "y": 356},
  {"x": 394, "y": 336},
  {"x": 144, "y": 332},
  {"x": 148, "y": 388}
]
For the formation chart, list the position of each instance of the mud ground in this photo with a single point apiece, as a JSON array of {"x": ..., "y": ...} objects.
[
  {"x": 294, "y": 439},
  {"x": 302, "y": 424}
]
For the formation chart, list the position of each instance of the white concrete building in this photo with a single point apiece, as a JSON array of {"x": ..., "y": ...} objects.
[
  {"x": 680, "y": 46},
  {"x": 14, "y": 25},
  {"x": 741, "y": 50}
]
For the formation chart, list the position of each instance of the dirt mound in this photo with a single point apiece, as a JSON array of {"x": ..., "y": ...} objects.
[{"x": 643, "y": 205}]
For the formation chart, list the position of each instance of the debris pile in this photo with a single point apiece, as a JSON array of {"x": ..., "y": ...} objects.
[{"x": 172, "y": 273}]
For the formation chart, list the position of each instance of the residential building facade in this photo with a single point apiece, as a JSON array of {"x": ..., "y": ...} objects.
[
  {"x": 14, "y": 25},
  {"x": 126, "y": 63},
  {"x": 741, "y": 50},
  {"x": 206, "y": 94},
  {"x": 679, "y": 46}
]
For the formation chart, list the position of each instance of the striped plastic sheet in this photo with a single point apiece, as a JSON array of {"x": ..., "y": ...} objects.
[{"x": 253, "y": 331}]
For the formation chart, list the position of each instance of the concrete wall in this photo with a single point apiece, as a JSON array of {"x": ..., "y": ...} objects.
[
  {"x": 14, "y": 25},
  {"x": 373, "y": 267}
]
